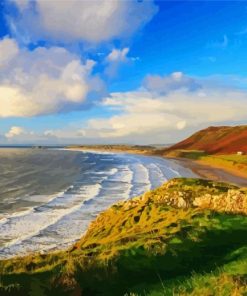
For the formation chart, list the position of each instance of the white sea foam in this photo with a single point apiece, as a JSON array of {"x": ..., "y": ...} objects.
[
  {"x": 157, "y": 177},
  {"x": 24, "y": 224},
  {"x": 43, "y": 199}
]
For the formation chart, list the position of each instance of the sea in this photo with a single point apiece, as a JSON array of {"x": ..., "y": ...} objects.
[{"x": 48, "y": 197}]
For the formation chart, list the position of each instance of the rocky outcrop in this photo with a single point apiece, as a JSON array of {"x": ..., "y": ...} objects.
[{"x": 187, "y": 193}]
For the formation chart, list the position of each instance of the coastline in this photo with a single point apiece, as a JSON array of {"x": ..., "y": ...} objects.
[
  {"x": 185, "y": 217},
  {"x": 200, "y": 168},
  {"x": 161, "y": 226},
  {"x": 117, "y": 176},
  {"x": 213, "y": 172}
]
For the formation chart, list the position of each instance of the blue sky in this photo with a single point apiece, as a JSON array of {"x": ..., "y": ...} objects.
[{"x": 140, "y": 72}]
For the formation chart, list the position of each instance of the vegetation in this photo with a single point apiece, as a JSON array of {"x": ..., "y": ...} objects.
[
  {"x": 188, "y": 237},
  {"x": 234, "y": 163},
  {"x": 137, "y": 149},
  {"x": 215, "y": 140},
  {"x": 190, "y": 154}
]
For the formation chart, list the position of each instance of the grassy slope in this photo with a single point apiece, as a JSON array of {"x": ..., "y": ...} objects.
[{"x": 188, "y": 237}]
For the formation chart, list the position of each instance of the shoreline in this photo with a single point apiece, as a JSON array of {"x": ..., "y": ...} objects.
[
  {"x": 200, "y": 168},
  {"x": 211, "y": 172},
  {"x": 131, "y": 189},
  {"x": 118, "y": 233}
]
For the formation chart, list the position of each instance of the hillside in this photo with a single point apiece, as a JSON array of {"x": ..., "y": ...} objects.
[
  {"x": 216, "y": 140},
  {"x": 188, "y": 237}
]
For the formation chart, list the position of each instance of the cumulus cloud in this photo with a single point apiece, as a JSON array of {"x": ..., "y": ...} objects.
[
  {"x": 75, "y": 20},
  {"x": 43, "y": 81},
  {"x": 153, "y": 115},
  {"x": 115, "y": 59},
  {"x": 14, "y": 132},
  {"x": 118, "y": 55}
]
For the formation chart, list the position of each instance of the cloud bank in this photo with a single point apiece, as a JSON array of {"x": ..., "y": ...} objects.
[
  {"x": 153, "y": 115},
  {"x": 169, "y": 105}
]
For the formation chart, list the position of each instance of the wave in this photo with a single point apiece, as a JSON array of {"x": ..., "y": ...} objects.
[
  {"x": 65, "y": 216},
  {"x": 47, "y": 215},
  {"x": 43, "y": 216},
  {"x": 30, "y": 209}
]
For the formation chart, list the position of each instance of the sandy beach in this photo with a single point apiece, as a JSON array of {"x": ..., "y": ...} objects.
[
  {"x": 202, "y": 170},
  {"x": 213, "y": 173}
]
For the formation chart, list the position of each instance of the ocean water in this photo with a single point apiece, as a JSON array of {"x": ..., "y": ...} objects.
[{"x": 49, "y": 197}]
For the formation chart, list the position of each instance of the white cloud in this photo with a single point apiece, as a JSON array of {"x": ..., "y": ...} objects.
[
  {"x": 172, "y": 82},
  {"x": 114, "y": 60},
  {"x": 181, "y": 124},
  {"x": 14, "y": 132},
  {"x": 43, "y": 81},
  {"x": 8, "y": 50},
  {"x": 73, "y": 20},
  {"x": 49, "y": 133},
  {"x": 19, "y": 135},
  {"x": 118, "y": 55},
  {"x": 154, "y": 116},
  {"x": 157, "y": 114}
]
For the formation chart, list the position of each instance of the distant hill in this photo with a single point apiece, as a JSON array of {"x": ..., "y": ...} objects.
[{"x": 216, "y": 140}]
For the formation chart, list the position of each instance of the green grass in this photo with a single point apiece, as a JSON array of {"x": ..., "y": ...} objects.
[
  {"x": 152, "y": 245},
  {"x": 190, "y": 154},
  {"x": 242, "y": 159},
  {"x": 233, "y": 162}
]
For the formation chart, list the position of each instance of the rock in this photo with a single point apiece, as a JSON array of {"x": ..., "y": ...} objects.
[{"x": 181, "y": 203}]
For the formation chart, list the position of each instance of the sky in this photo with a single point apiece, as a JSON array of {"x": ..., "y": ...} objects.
[{"x": 135, "y": 72}]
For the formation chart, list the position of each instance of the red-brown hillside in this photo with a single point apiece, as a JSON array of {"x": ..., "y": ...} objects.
[{"x": 216, "y": 140}]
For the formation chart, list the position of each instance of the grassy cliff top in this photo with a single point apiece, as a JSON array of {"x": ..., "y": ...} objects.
[{"x": 182, "y": 238}]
